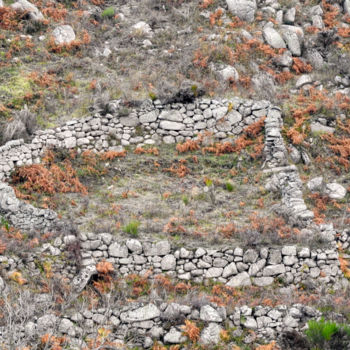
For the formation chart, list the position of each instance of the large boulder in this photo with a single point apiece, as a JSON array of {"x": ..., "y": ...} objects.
[
  {"x": 144, "y": 313},
  {"x": 244, "y": 9},
  {"x": 63, "y": 35},
  {"x": 211, "y": 334},
  {"x": 335, "y": 191},
  {"x": 273, "y": 38},
  {"x": 25, "y": 6}
]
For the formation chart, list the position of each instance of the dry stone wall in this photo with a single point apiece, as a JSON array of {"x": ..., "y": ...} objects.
[
  {"x": 152, "y": 123},
  {"x": 157, "y": 319},
  {"x": 233, "y": 266}
]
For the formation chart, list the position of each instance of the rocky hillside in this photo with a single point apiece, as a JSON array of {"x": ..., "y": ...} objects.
[{"x": 174, "y": 174}]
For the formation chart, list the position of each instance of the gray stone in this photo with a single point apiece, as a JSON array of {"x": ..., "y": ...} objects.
[
  {"x": 46, "y": 323},
  {"x": 214, "y": 272},
  {"x": 168, "y": 262},
  {"x": 249, "y": 322},
  {"x": 209, "y": 314},
  {"x": 240, "y": 280},
  {"x": 320, "y": 128},
  {"x": 273, "y": 38},
  {"x": 168, "y": 125},
  {"x": 172, "y": 312},
  {"x": 131, "y": 120},
  {"x": 289, "y": 321},
  {"x": 160, "y": 248},
  {"x": 250, "y": 256},
  {"x": 256, "y": 267},
  {"x": 134, "y": 246},
  {"x": 263, "y": 281},
  {"x": 174, "y": 337},
  {"x": 275, "y": 256},
  {"x": 70, "y": 142},
  {"x": 229, "y": 270},
  {"x": 229, "y": 73},
  {"x": 63, "y": 34},
  {"x": 142, "y": 28},
  {"x": 149, "y": 117},
  {"x": 172, "y": 116},
  {"x": 315, "y": 58},
  {"x": 118, "y": 251},
  {"x": 303, "y": 80},
  {"x": 293, "y": 37},
  {"x": 289, "y": 16},
  {"x": 66, "y": 326},
  {"x": 315, "y": 184},
  {"x": 335, "y": 191},
  {"x": 2, "y": 284},
  {"x": 289, "y": 250},
  {"x": 210, "y": 335},
  {"x": 26, "y": 6},
  {"x": 244, "y": 9},
  {"x": 347, "y": 7},
  {"x": 274, "y": 270},
  {"x": 147, "y": 312}
]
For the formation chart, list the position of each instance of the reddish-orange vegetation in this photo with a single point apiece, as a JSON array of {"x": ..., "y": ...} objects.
[
  {"x": 187, "y": 146},
  {"x": 49, "y": 177},
  {"x": 228, "y": 230},
  {"x": 215, "y": 17},
  {"x": 300, "y": 67},
  {"x": 105, "y": 282},
  {"x": 55, "y": 11},
  {"x": 44, "y": 80},
  {"x": 206, "y": 3},
  {"x": 330, "y": 14},
  {"x": 55, "y": 343},
  {"x": 191, "y": 331},
  {"x": 151, "y": 150},
  {"x": 2, "y": 247},
  {"x": 73, "y": 46},
  {"x": 104, "y": 267},
  {"x": 180, "y": 170},
  {"x": 344, "y": 266},
  {"x": 110, "y": 155},
  {"x": 174, "y": 226},
  {"x": 10, "y": 19}
]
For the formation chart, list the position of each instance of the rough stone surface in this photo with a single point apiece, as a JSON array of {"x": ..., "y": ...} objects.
[
  {"x": 26, "y": 6},
  {"x": 210, "y": 335},
  {"x": 144, "y": 313},
  {"x": 240, "y": 280},
  {"x": 63, "y": 34},
  {"x": 243, "y": 9}
]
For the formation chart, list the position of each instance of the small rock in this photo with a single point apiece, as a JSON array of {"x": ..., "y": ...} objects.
[
  {"x": 303, "y": 80},
  {"x": 26, "y": 6},
  {"x": 142, "y": 28},
  {"x": 273, "y": 38},
  {"x": 147, "y": 312},
  {"x": 168, "y": 262},
  {"x": 209, "y": 314},
  {"x": 210, "y": 334},
  {"x": 240, "y": 280},
  {"x": 315, "y": 184},
  {"x": 63, "y": 34},
  {"x": 174, "y": 337},
  {"x": 243, "y": 9},
  {"x": 335, "y": 191}
]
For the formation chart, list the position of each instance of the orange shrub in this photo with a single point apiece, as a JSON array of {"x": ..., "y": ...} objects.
[{"x": 191, "y": 331}]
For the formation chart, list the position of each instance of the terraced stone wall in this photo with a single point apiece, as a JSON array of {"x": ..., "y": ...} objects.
[{"x": 153, "y": 123}]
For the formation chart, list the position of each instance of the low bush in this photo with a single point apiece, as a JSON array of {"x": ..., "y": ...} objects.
[
  {"x": 327, "y": 335},
  {"x": 132, "y": 228}
]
